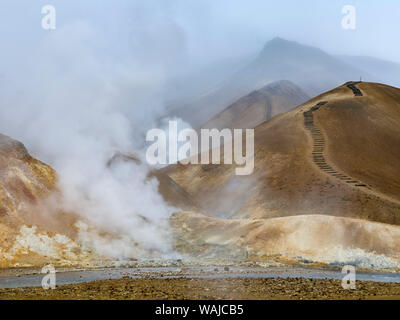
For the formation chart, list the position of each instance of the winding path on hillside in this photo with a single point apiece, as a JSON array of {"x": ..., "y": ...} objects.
[
  {"x": 352, "y": 86},
  {"x": 319, "y": 142}
]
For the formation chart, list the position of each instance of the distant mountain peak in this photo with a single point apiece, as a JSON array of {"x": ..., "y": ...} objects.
[
  {"x": 300, "y": 63},
  {"x": 259, "y": 105},
  {"x": 279, "y": 46},
  {"x": 311, "y": 68},
  {"x": 277, "y": 39},
  {"x": 279, "y": 42}
]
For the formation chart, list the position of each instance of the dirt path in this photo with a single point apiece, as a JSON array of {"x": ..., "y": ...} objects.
[{"x": 356, "y": 91}]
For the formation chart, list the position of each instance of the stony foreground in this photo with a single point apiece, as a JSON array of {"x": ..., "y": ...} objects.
[{"x": 233, "y": 288}]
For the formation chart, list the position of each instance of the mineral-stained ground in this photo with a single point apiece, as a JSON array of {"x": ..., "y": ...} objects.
[{"x": 233, "y": 288}]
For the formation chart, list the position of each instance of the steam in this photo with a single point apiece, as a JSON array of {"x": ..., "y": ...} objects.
[{"x": 76, "y": 105}]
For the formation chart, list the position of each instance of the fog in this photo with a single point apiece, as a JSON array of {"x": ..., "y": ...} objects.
[{"x": 92, "y": 87}]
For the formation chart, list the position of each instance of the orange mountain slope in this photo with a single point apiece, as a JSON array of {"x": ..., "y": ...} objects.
[
  {"x": 259, "y": 106},
  {"x": 337, "y": 154}
]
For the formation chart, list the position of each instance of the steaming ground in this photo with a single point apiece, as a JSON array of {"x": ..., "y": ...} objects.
[
  {"x": 314, "y": 240},
  {"x": 39, "y": 224},
  {"x": 289, "y": 211},
  {"x": 77, "y": 108},
  {"x": 87, "y": 92}
]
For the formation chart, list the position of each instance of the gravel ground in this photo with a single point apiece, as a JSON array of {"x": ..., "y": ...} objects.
[{"x": 233, "y": 288}]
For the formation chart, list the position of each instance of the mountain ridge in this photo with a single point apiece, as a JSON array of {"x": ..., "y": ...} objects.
[
  {"x": 259, "y": 106},
  {"x": 287, "y": 182},
  {"x": 310, "y": 68}
]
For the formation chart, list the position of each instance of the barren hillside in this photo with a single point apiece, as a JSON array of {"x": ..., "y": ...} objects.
[
  {"x": 314, "y": 70},
  {"x": 300, "y": 171},
  {"x": 30, "y": 233},
  {"x": 326, "y": 185}
]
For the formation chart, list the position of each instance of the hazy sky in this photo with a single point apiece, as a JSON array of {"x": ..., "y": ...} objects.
[
  {"x": 203, "y": 30},
  {"x": 227, "y": 26}
]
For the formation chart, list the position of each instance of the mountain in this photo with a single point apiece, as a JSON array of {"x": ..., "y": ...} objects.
[
  {"x": 325, "y": 189},
  {"x": 28, "y": 234},
  {"x": 312, "y": 69},
  {"x": 384, "y": 71},
  {"x": 326, "y": 172},
  {"x": 360, "y": 136},
  {"x": 259, "y": 106}
]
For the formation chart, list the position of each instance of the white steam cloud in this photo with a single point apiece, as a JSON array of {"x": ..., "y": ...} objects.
[{"x": 76, "y": 100}]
